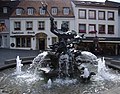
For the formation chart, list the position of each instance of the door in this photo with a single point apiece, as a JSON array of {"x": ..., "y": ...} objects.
[{"x": 41, "y": 44}]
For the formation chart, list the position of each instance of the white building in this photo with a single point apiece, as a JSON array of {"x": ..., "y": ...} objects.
[
  {"x": 6, "y": 8},
  {"x": 97, "y": 19},
  {"x": 30, "y": 25}
]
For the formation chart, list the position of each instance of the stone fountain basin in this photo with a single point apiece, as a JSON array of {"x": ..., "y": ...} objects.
[{"x": 76, "y": 88}]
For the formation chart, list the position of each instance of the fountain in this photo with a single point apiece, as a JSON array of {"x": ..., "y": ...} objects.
[
  {"x": 62, "y": 70},
  {"x": 18, "y": 65}
]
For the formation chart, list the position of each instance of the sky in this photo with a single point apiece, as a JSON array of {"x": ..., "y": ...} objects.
[{"x": 102, "y": 0}]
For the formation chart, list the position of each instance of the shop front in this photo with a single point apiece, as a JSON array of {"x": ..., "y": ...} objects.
[{"x": 103, "y": 46}]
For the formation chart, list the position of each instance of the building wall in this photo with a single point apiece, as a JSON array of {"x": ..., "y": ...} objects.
[
  {"x": 5, "y": 38},
  {"x": 24, "y": 32},
  {"x": 96, "y": 21}
]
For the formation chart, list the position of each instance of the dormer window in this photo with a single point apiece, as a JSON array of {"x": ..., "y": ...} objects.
[
  {"x": 42, "y": 12},
  {"x": 66, "y": 11},
  {"x": 19, "y": 11},
  {"x": 54, "y": 10},
  {"x": 5, "y": 10},
  {"x": 30, "y": 11}
]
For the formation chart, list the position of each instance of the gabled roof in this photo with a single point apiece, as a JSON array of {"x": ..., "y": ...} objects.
[{"x": 36, "y": 4}]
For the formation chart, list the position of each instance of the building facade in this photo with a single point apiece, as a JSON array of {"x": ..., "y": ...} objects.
[
  {"x": 99, "y": 22},
  {"x": 30, "y": 24},
  {"x": 6, "y": 8}
]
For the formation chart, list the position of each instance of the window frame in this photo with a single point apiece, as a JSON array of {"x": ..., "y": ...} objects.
[
  {"x": 19, "y": 11},
  {"x": 23, "y": 42},
  {"x": 92, "y": 31},
  {"x": 94, "y": 14},
  {"x": 111, "y": 31},
  {"x": 41, "y": 11},
  {"x": 99, "y": 14},
  {"x": 82, "y": 10},
  {"x": 5, "y": 10},
  {"x": 82, "y": 31},
  {"x": 101, "y": 29},
  {"x": 54, "y": 10},
  {"x": 30, "y": 11},
  {"x": 17, "y": 25},
  {"x": 66, "y": 10},
  {"x": 113, "y": 15},
  {"x": 41, "y": 25},
  {"x": 28, "y": 26}
]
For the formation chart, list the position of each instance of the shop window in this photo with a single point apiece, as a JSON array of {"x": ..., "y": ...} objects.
[
  {"x": 23, "y": 42},
  {"x": 82, "y": 28}
]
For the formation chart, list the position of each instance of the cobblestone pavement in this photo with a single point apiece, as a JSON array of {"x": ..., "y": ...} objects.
[{"x": 6, "y": 54}]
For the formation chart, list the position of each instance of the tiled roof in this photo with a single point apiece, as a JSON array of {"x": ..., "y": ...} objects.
[{"x": 36, "y": 4}]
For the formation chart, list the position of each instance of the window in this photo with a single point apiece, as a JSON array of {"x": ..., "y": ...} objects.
[
  {"x": 82, "y": 14},
  {"x": 101, "y": 29},
  {"x": 92, "y": 14},
  {"x": 19, "y": 11},
  {"x": 110, "y": 29},
  {"x": 54, "y": 11},
  {"x": 54, "y": 40},
  {"x": 42, "y": 12},
  {"x": 110, "y": 15},
  {"x": 5, "y": 10},
  {"x": 101, "y": 15},
  {"x": 17, "y": 25},
  {"x": 68, "y": 23},
  {"x": 30, "y": 11},
  {"x": 66, "y": 11},
  {"x": 2, "y": 25},
  {"x": 82, "y": 28},
  {"x": 92, "y": 28},
  {"x": 29, "y": 25},
  {"x": 41, "y": 25},
  {"x": 23, "y": 42}
]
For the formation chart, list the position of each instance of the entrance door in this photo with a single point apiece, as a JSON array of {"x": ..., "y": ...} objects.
[{"x": 41, "y": 44}]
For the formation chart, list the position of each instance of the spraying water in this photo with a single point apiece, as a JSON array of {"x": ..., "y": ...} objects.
[
  {"x": 105, "y": 73},
  {"x": 18, "y": 65}
]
